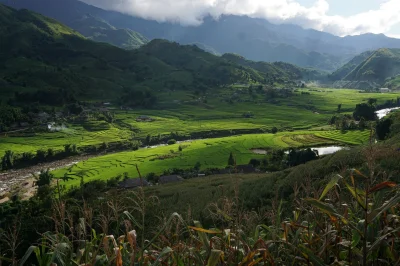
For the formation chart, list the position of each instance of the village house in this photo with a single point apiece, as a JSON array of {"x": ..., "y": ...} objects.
[
  {"x": 133, "y": 183},
  {"x": 384, "y": 90},
  {"x": 144, "y": 118},
  {"x": 170, "y": 179}
]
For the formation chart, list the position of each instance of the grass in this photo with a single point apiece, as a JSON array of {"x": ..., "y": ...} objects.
[{"x": 211, "y": 153}]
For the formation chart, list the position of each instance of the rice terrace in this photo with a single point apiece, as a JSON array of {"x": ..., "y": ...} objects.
[{"x": 165, "y": 135}]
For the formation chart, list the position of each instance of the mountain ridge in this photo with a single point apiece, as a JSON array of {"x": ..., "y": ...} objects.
[
  {"x": 255, "y": 39},
  {"x": 42, "y": 56}
]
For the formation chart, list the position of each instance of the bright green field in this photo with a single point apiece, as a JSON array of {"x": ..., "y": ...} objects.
[
  {"x": 211, "y": 153},
  {"x": 181, "y": 112}
]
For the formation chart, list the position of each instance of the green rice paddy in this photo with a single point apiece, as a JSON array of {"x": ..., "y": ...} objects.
[
  {"x": 180, "y": 112},
  {"x": 211, "y": 153},
  {"x": 301, "y": 118}
]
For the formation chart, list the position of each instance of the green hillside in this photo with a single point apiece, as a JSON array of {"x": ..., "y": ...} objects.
[
  {"x": 381, "y": 64},
  {"x": 280, "y": 71},
  {"x": 99, "y": 30},
  {"x": 40, "y": 53},
  {"x": 393, "y": 82},
  {"x": 350, "y": 66}
]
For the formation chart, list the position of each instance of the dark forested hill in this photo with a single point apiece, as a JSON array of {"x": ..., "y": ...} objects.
[
  {"x": 279, "y": 70},
  {"x": 85, "y": 19},
  {"x": 39, "y": 54}
]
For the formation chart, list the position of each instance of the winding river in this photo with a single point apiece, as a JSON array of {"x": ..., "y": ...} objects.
[{"x": 384, "y": 112}]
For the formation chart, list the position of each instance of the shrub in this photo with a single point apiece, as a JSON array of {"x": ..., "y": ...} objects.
[{"x": 171, "y": 141}]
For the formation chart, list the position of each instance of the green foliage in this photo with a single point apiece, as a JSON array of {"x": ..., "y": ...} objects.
[
  {"x": 383, "y": 128},
  {"x": 44, "y": 178},
  {"x": 365, "y": 111},
  {"x": 171, "y": 142},
  {"x": 231, "y": 159},
  {"x": 296, "y": 157}
]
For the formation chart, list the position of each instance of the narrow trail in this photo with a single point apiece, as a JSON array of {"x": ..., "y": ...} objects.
[{"x": 12, "y": 178}]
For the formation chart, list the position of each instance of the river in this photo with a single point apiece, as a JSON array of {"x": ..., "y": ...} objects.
[{"x": 384, "y": 112}]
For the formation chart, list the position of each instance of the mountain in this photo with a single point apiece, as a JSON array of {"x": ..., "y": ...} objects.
[
  {"x": 352, "y": 64},
  {"x": 100, "y": 30},
  {"x": 255, "y": 39},
  {"x": 41, "y": 57},
  {"x": 279, "y": 71},
  {"x": 79, "y": 17},
  {"x": 380, "y": 65}
]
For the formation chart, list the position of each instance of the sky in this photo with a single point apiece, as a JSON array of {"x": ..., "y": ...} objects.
[{"x": 339, "y": 17}]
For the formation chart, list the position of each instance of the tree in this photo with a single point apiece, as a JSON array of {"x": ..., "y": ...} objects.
[
  {"x": 255, "y": 162},
  {"x": 274, "y": 130},
  {"x": 197, "y": 166},
  {"x": 44, "y": 178},
  {"x": 339, "y": 107},
  {"x": 148, "y": 139},
  {"x": 365, "y": 111},
  {"x": 40, "y": 155},
  {"x": 152, "y": 178},
  {"x": 231, "y": 160},
  {"x": 383, "y": 128},
  {"x": 372, "y": 101},
  {"x": 171, "y": 142},
  {"x": 7, "y": 161}
]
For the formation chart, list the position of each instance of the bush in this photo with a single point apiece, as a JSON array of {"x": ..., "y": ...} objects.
[
  {"x": 274, "y": 130},
  {"x": 171, "y": 142},
  {"x": 255, "y": 162}
]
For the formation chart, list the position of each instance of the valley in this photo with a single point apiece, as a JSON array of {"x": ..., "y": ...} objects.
[{"x": 281, "y": 140}]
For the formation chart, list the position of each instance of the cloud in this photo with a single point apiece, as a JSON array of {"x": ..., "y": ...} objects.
[{"x": 192, "y": 12}]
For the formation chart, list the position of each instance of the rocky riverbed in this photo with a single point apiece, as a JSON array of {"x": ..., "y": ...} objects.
[{"x": 23, "y": 179}]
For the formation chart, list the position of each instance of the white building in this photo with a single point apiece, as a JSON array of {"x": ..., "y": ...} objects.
[{"x": 384, "y": 90}]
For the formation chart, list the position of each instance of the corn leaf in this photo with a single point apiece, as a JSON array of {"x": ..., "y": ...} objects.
[
  {"x": 382, "y": 185},
  {"x": 202, "y": 235},
  {"x": 325, "y": 208},
  {"x": 330, "y": 185},
  {"x": 199, "y": 229},
  {"x": 163, "y": 253},
  {"x": 132, "y": 219},
  {"x": 387, "y": 205},
  {"x": 215, "y": 255},
  {"x": 357, "y": 194},
  {"x": 378, "y": 242},
  {"x": 316, "y": 261},
  {"x": 28, "y": 253},
  {"x": 359, "y": 173}
]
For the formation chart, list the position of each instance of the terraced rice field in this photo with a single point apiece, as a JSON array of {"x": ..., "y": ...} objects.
[
  {"x": 210, "y": 153},
  {"x": 350, "y": 137}
]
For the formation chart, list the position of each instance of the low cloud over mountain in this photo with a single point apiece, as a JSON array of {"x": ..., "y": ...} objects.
[{"x": 192, "y": 12}]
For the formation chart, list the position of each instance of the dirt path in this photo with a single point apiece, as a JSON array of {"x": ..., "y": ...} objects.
[{"x": 23, "y": 177}]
